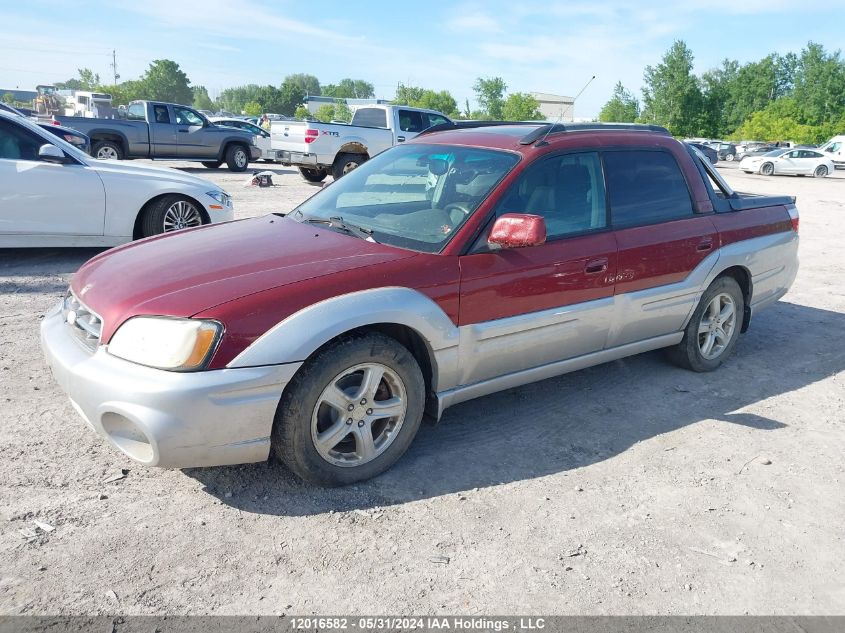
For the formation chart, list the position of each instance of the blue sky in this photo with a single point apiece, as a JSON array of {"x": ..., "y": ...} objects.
[{"x": 545, "y": 47}]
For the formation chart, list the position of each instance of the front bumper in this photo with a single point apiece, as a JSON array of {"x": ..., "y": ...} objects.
[{"x": 163, "y": 418}]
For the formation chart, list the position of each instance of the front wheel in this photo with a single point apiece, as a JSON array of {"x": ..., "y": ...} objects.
[
  {"x": 767, "y": 169},
  {"x": 714, "y": 328},
  {"x": 107, "y": 150},
  {"x": 729, "y": 157},
  {"x": 170, "y": 213},
  {"x": 237, "y": 158},
  {"x": 350, "y": 412},
  {"x": 344, "y": 163},
  {"x": 821, "y": 171},
  {"x": 313, "y": 175}
]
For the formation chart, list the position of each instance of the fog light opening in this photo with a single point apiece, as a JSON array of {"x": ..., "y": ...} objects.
[{"x": 127, "y": 436}]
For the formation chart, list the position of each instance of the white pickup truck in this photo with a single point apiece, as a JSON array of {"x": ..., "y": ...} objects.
[{"x": 337, "y": 148}]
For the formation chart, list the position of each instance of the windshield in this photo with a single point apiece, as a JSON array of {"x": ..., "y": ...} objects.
[{"x": 412, "y": 196}]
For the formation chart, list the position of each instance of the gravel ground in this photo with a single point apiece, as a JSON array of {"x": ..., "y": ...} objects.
[{"x": 629, "y": 488}]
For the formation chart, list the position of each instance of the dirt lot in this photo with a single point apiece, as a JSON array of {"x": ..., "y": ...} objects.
[{"x": 633, "y": 487}]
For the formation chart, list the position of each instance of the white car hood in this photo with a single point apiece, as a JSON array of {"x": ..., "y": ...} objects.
[{"x": 168, "y": 174}]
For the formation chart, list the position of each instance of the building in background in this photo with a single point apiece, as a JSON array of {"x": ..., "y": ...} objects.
[{"x": 555, "y": 107}]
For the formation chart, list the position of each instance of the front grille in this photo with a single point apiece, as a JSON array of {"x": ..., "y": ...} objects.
[{"x": 86, "y": 325}]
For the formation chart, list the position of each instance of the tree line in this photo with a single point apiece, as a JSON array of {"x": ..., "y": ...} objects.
[
  {"x": 164, "y": 80},
  {"x": 795, "y": 97}
]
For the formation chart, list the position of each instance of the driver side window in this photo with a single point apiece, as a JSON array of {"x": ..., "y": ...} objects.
[
  {"x": 567, "y": 191},
  {"x": 17, "y": 143}
]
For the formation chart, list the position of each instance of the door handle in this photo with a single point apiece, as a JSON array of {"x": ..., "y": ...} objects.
[
  {"x": 400, "y": 139},
  {"x": 705, "y": 245},
  {"x": 596, "y": 266},
  {"x": 184, "y": 131}
]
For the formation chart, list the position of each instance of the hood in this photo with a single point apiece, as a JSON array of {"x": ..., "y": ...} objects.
[
  {"x": 187, "y": 272},
  {"x": 166, "y": 174}
]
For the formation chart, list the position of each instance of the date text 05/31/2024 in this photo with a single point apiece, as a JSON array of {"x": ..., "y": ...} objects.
[{"x": 453, "y": 623}]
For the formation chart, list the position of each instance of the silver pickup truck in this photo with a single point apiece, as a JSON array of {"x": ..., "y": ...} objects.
[
  {"x": 166, "y": 131},
  {"x": 319, "y": 149}
]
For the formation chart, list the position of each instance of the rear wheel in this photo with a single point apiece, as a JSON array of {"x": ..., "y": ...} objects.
[
  {"x": 344, "y": 163},
  {"x": 351, "y": 411},
  {"x": 237, "y": 158},
  {"x": 313, "y": 175},
  {"x": 212, "y": 164},
  {"x": 714, "y": 328},
  {"x": 107, "y": 150},
  {"x": 729, "y": 157},
  {"x": 170, "y": 213},
  {"x": 767, "y": 169},
  {"x": 821, "y": 171}
]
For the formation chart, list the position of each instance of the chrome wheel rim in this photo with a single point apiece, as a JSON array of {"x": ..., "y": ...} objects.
[
  {"x": 181, "y": 215},
  {"x": 240, "y": 158},
  {"x": 716, "y": 327},
  {"x": 349, "y": 166},
  {"x": 358, "y": 415},
  {"x": 107, "y": 153}
]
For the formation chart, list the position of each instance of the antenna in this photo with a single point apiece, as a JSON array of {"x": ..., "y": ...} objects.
[
  {"x": 542, "y": 141},
  {"x": 114, "y": 66}
]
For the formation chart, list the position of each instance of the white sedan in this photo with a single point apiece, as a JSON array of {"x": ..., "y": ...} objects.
[
  {"x": 52, "y": 194},
  {"x": 262, "y": 136},
  {"x": 798, "y": 162}
]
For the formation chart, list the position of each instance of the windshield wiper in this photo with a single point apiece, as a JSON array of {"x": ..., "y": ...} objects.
[{"x": 337, "y": 222}]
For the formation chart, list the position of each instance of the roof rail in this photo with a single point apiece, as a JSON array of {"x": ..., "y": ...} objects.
[
  {"x": 556, "y": 128},
  {"x": 462, "y": 125}
]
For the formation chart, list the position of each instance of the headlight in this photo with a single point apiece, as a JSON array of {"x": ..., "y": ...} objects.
[
  {"x": 166, "y": 343},
  {"x": 221, "y": 196}
]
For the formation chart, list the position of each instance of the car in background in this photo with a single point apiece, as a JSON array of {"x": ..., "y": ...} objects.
[
  {"x": 795, "y": 162},
  {"x": 726, "y": 151},
  {"x": 835, "y": 149},
  {"x": 757, "y": 150},
  {"x": 52, "y": 194},
  {"x": 711, "y": 154},
  {"x": 74, "y": 137},
  {"x": 262, "y": 136}
]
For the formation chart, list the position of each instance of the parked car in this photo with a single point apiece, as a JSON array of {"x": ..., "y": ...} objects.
[
  {"x": 337, "y": 148},
  {"x": 166, "y": 131},
  {"x": 444, "y": 269},
  {"x": 52, "y": 194},
  {"x": 726, "y": 151},
  {"x": 261, "y": 137},
  {"x": 796, "y": 162},
  {"x": 711, "y": 154},
  {"x": 74, "y": 137},
  {"x": 835, "y": 150},
  {"x": 757, "y": 150}
]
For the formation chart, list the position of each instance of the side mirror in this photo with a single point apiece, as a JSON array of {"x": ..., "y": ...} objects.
[
  {"x": 51, "y": 154},
  {"x": 516, "y": 230}
]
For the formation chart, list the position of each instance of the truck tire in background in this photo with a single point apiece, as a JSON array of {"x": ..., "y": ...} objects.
[
  {"x": 212, "y": 164},
  {"x": 108, "y": 150},
  {"x": 237, "y": 157},
  {"x": 344, "y": 163},
  {"x": 313, "y": 175}
]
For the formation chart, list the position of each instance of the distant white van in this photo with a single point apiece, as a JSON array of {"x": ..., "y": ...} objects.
[{"x": 835, "y": 149}]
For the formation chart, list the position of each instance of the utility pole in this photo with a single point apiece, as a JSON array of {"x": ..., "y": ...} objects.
[{"x": 114, "y": 66}]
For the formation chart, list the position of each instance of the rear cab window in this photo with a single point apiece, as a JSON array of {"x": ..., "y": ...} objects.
[
  {"x": 645, "y": 187},
  {"x": 136, "y": 112},
  {"x": 370, "y": 117}
]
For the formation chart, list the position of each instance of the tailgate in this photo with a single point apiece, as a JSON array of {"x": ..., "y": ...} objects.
[{"x": 289, "y": 136}]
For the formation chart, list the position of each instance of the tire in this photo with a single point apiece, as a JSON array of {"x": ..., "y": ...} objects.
[
  {"x": 170, "y": 213},
  {"x": 747, "y": 172},
  {"x": 107, "y": 150},
  {"x": 729, "y": 157},
  {"x": 313, "y": 175},
  {"x": 820, "y": 172},
  {"x": 212, "y": 164},
  {"x": 691, "y": 353},
  {"x": 237, "y": 157},
  {"x": 344, "y": 163},
  {"x": 303, "y": 413},
  {"x": 767, "y": 169}
]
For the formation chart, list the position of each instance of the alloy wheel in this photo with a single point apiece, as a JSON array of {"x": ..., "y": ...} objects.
[
  {"x": 717, "y": 325},
  {"x": 181, "y": 215},
  {"x": 107, "y": 153}
]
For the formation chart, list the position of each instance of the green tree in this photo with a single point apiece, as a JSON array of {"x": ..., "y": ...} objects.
[
  {"x": 233, "y": 99},
  {"x": 671, "y": 94},
  {"x": 350, "y": 89},
  {"x": 342, "y": 111},
  {"x": 8, "y": 98},
  {"x": 779, "y": 122},
  {"x": 127, "y": 91},
  {"x": 417, "y": 97},
  {"x": 253, "y": 108},
  {"x": 87, "y": 80},
  {"x": 490, "y": 93},
  {"x": 521, "y": 106},
  {"x": 165, "y": 81},
  {"x": 201, "y": 99},
  {"x": 288, "y": 97},
  {"x": 325, "y": 112},
  {"x": 819, "y": 85},
  {"x": 622, "y": 107},
  {"x": 309, "y": 84},
  {"x": 302, "y": 112}
]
